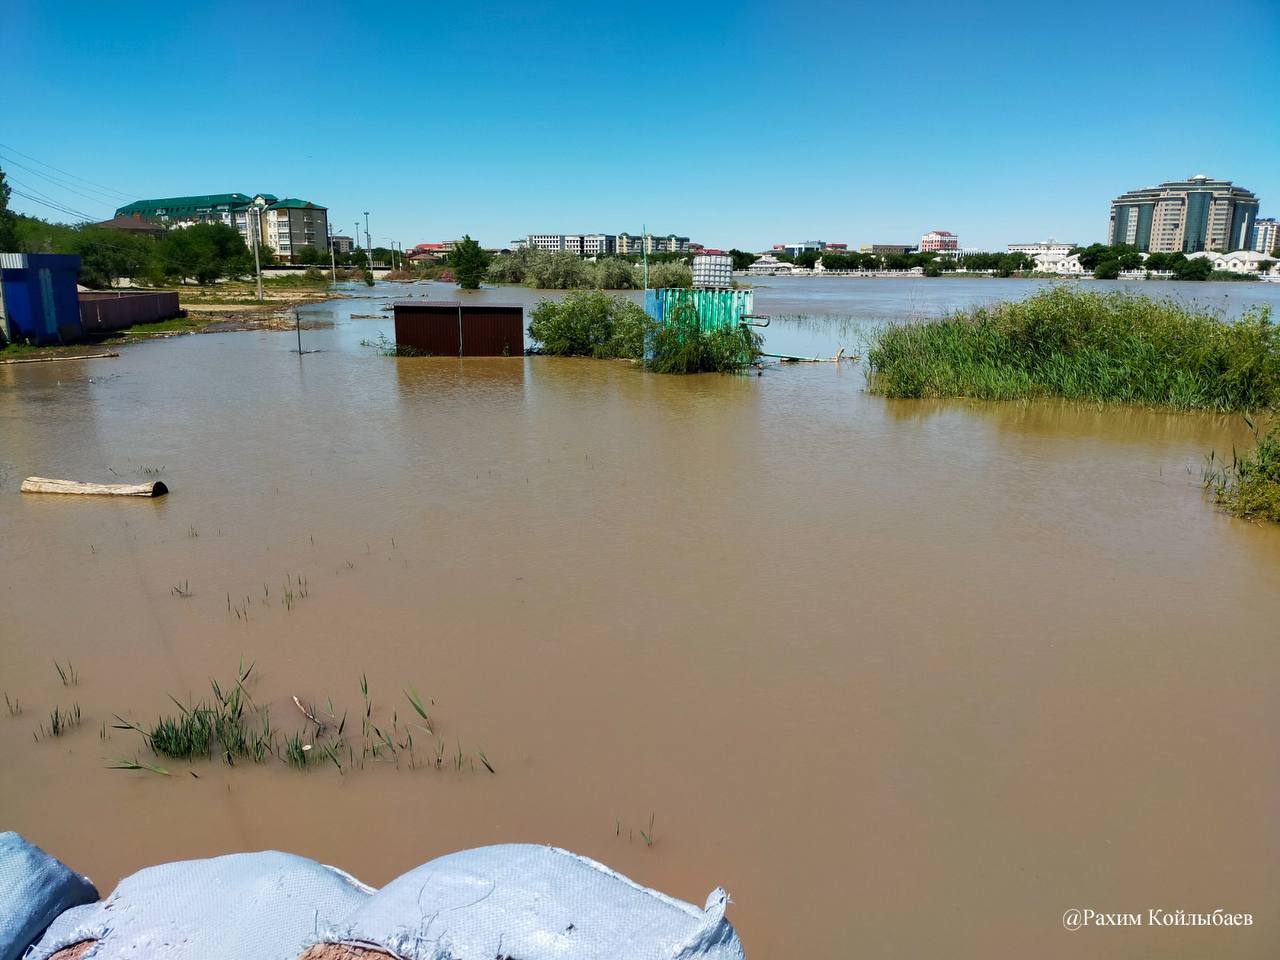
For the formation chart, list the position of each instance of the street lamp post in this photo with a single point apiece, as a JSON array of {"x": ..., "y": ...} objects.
[{"x": 368, "y": 242}]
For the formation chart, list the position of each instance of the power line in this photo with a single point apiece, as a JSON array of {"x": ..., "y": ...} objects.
[
  {"x": 30, "y": 193},
  {"x": 45, "y": 203},
  {"x": 65, "y": 173},
  {"x": 106, "y": 202}
]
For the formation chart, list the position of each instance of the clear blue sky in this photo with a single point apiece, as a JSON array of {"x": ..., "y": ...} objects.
[{"x": 739, "y": 124}]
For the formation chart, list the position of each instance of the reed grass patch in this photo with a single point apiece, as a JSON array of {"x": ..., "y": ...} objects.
[
  {"x": 1249, "y": 486},
  {"x": 1085, "y": 345}
]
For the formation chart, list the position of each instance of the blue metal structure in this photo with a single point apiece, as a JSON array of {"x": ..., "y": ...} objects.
[{"x": 38, "y": 299}]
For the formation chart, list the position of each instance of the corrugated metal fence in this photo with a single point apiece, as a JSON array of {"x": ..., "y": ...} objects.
[
  {"x": 102, "y": 312},
  {"x": 715, "y": 309}
]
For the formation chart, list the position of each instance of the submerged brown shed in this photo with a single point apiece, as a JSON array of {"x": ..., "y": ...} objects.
[{"x": 452, "y": 329}]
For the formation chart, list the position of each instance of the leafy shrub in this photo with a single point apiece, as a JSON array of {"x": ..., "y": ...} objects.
[
  {"x": 671, "y": 274},
  {"x": 558, "y": 271},
  {"x": 591, "y": 324}
]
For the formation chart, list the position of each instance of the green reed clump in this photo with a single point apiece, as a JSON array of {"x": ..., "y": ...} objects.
[
  {"x": 1250, "y": 486},
  {"x": 60, "y": 721},
  {"x": 1085, "y": 345},
  {"x": 222, "y": 722},
  {"x": 681, "y": 345}
]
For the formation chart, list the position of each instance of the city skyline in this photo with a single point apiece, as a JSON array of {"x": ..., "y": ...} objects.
[{"x": 826, "y": 123}]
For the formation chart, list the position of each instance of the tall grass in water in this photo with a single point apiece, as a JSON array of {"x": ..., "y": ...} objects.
[
  {"x": 680, "y": 345},
  {"x": 1085, "y": 345},
  {"x": 1250, "y": 486}
]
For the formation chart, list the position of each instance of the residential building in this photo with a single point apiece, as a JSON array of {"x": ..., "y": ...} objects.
[
  {"x": 134, "y": 225},
  {"x": 1185, "y": 216},
  {"x": 341, "y": 244},
  {"x": 940, "y": 241},
  {"x": 292, "y": 224},
  {"x": 286, "y": 225},
  {"x": 1266, "y": 235},
  {"x": 550, "y": 242},
  {"x": 887, "y": 249},
  {"x": 583, "y": 244},
  {"x": 1043, "y": 246},
  {"x": 629, "y": 243},
  {"x": 1057, "y": 262},
  {"x": 1238, "y": 261},
  {"x": 185, "y": 211}
]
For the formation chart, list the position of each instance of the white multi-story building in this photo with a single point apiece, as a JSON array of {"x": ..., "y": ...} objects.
[
  {"x": 1060, "y": 264},
  {"x": 583, "y": 244},
  {"x": 1266, "y": 235},
  {"x": 551, "y": 242},
  {"x": 1044, "y": 246}
]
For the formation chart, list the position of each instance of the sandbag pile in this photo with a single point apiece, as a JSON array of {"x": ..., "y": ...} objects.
[
  {"x": 509, "y": 902},
  {"x": 34, "y": 889}
]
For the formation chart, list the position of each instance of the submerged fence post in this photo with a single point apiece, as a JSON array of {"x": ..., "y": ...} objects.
[{"x": 297, "y": 326}]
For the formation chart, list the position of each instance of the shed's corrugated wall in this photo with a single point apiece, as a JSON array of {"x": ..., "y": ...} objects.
[{"x": 468, "y": 330}]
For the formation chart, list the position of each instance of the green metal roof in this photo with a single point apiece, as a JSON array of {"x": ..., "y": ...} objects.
[
  {"x": 291, "y": 202},
  {"x": 184, "y": 204}
]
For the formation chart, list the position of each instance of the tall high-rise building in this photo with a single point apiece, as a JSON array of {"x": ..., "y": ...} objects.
[
  {"x": 1266, "y": 235},
  {"x": 1185, "y": 216}
]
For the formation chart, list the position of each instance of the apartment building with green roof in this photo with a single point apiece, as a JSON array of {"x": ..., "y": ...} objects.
[{"x": 287, "y": 226}]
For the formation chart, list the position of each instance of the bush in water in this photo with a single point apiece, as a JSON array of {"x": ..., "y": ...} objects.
[{"x": 591, "y": 324}]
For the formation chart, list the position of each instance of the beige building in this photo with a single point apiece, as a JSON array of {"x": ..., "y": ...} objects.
[{"x": 1184, "y": 216}]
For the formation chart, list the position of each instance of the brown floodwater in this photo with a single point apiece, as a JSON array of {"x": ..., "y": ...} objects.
[{"x": 907, "y": 678}]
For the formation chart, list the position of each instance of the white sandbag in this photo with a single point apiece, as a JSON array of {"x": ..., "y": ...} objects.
[
  {"x": 528, "y": 902},
  {"x": 248, "y": 906},
  {"x": 34, "y": 889}
]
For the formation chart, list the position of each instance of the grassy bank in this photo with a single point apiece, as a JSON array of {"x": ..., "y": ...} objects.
[
  {"x": 1085, "y": 345},
  {"x": 1249, "y": 487}
]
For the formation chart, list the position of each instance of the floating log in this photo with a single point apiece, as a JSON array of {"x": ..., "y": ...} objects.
[
  {"x": 74, "y": 356},
  {"x": 47, "y": 485}
]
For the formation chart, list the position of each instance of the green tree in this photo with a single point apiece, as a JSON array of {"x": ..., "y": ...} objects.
[
  {"x": 8, "y": 226},
  {"x": 742, "y": 259},
  {"x": 205, "y": 252},
  {"x": 310, "y": 256},
  {"x": 669, "y": 274},
  {"x": 106, "y": 255},
  {"x": 469, "y": 263},
  {"x": 612, "y": 273},
  {"x": 1107, "y": 269},
  {"x": 1194, "y": 268}
]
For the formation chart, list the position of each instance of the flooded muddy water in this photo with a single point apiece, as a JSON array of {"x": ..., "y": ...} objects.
[{"x": 907, "y": 678}]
